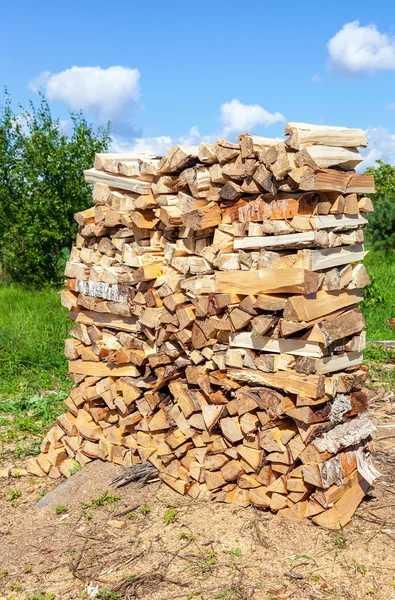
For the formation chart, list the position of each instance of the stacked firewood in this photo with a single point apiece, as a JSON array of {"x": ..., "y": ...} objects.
[{"x": 217, "y": 332}]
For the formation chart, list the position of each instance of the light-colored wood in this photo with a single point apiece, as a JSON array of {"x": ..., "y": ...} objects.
[
  {"x": 105, "y": 320},
  {"x": 307, "y": 308},
  {"x": 263, "y": 281},
  {"x": 337, "y": 362},
  {"x": 267, "y": 344},
  {"x": 290, "y": 381},
  {"x": 328, "y": 180},
  {"x": 365, "y": 205},
  {"x": 321, "y": 157},
  {"x": 337, "y": 221},
  {"x": 304, "y": 134},
  {"x": 231, "y": 429},
  {"x": 327, "y": 331},
  {"x": 118, "y": 181},
  {"x": 295, "y": 240},
  {"x": 101, "y": 369},
  {"x": 316, "y": 260},
  {"x": 340, "y": 514},
  {"x": 279, "y": 206}
]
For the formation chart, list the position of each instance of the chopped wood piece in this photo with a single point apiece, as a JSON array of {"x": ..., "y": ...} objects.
[
  {"x": 231, "y": 429},
  {"x": 264, "y": 281},
  {"x": 293, "y": 382},
  {"x": 304, "y": 134},
  {"x": 288, "y": 346},
  {"x": 314, "y": 306}
]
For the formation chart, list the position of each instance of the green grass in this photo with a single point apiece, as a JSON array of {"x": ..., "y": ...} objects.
[
  {"x": 104, "y": 499},
  {"x": 33, "y": 382},
  {"x": 33, "y": 327},
  {"x": 379, "y": 305}
]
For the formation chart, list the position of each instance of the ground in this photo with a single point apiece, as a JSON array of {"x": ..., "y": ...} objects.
[{"x": 151, "y": 543}]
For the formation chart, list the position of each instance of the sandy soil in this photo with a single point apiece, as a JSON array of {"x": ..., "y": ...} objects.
[{"x": 206, "y": 551}]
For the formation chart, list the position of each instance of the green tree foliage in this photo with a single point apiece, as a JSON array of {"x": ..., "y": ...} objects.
[
  {"x": 380, "y": 232},
  {"x": 384, "y": 179},
  {"x": 41, "y": 187}
]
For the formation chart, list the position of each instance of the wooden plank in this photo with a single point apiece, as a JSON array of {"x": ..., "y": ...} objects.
[
  {"x": 118, "y": 181},
  {"x": 313, "y": 306},
  {"x": 341, "y": 326},
  {"x": 361, "y": 184},
  {"x": 101, "y": 369},
  {"x": 326, "y": 258},
  {"x": 88, "y": 317},
  {"x": 286, "y": 346},
  {"x": 294, "y": 240},
  {"x": 330, "y": 180},
  {"x": 335, "y": 362},
  {"x": 306, "y": 134},
  {"x": 323, "y": 157},
  {"x": 337, "y": 221},
  {"x": 311, "y": 386},
  {"x": 279, "y": 206},
  {"x": 263, "y": 281}
]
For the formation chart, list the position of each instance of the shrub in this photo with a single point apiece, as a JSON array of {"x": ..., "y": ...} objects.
[{"x": 41, "y": 187}]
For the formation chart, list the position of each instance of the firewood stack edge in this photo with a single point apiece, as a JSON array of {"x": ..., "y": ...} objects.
[{"x": 217, "y": 335}]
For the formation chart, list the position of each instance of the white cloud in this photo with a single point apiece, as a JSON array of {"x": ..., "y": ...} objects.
[
  {"x": 38, "y": 83},
  {"x": 316, "y": 79},
  {"x": 160, "y": 145},
  {"x": 357, "y": 49},
  {"x": 390, "y": 106},
  {"x": 109, "y": 94},
  {"x": 381, "y": 146},
  {"x": 237, "y": 117}
]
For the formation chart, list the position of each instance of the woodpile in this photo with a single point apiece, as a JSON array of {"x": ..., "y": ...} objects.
[{"x": 217, "y": 335}]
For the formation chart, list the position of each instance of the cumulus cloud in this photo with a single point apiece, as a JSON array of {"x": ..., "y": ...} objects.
[
  {"x": 381, "y": 147},
  {"x": 194, "y": 137},
  {"x": 161, "y": 144},
  {"x": 158, "y": 145},
  {"x": 109, "y": 94},
  {"x": 38, "y": 83},
  {"x": 237, "y": 117},
  {"x": 359, "y": 49}
]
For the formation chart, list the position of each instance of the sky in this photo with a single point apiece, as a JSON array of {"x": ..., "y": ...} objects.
[{"x": 185, "y": 72}]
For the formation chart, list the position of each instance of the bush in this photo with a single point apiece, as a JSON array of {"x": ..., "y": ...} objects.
[
  {"x": 380, "y": 232},
  {"x": 41, "y": 187}
]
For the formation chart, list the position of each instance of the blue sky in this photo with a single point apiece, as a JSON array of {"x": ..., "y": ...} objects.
[{"x": 182, "y": 63}]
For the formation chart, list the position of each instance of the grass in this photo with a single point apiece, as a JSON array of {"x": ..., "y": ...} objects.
[
  {"x": 379, "y": 306},
  {"x": 33, "y": 382},
  {"x": 60, "y": 509},
  {"x": 379, "y": 303},
  {"x": 14, "y": 494},
  {"x": 104, "y": 499},
  {"x": 33, "y": 327},
  {"x": 169, "y": 516}
]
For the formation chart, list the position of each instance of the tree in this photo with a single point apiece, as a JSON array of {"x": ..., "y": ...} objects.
[
  {"x": 384, "y": 179},
  {"x": 380, "y": 232},
  {"x": 41, "y": 188}
]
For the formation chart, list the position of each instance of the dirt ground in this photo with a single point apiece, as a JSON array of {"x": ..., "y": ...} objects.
[{"x": 154, "y": 544}]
